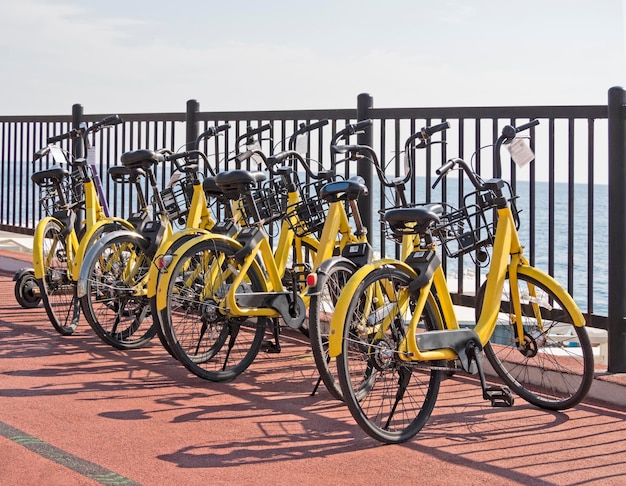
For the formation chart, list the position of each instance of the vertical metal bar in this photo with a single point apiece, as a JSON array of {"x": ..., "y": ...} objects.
[
  {"x": 617, "y": 231},
  {"x": 590, "y": 212},
  {"x": 532, "y": 204},
  {"x": 551, "y": 172},
  {"x": 364, "y": 103},
  {"x": 571, "y": 188}
]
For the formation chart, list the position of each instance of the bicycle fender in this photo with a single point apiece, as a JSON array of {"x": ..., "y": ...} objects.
[
  {"x": 324, "y": 268},
  {"x": 38, "y": 265},
  {"x": 163, "y": 282},
  {"x": 94, "y": 251},
  {"x": 341, "y": 307},
  {"x": 155, "y": 272},
  {"x": 86, "y": 241},
  {"x": 565, "y": 298}
]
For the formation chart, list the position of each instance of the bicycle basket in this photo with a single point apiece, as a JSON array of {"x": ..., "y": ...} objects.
[
  {"x": 71, "y": 191},
  {"x": 177, "y": 198},
  {"x": 472, "y": 226},
  {"x": 270, "y": 200},
  {"x": 309, "y": 214}
]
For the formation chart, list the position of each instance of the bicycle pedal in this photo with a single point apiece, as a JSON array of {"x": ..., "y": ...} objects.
[
  {"x": 500, "y": 396},
  {"x": 270, "y": 347}
]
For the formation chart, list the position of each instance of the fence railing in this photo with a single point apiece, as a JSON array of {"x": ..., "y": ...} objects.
[{"x": 567, "y": 202}]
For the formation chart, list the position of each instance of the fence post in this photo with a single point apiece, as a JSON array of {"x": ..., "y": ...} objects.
[
  {"x": 617, "y": 231},
  {"x": 193, "y": 107},
  {"x": 78, "y": 149},
  {"x": 364, "y": 103},
  {"x": 77, "y": 117}
]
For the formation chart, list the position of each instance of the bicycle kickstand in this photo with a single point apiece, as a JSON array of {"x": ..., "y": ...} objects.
[
  {"x": 499, "y": 396},
  {"x": 273, "y": 346}
]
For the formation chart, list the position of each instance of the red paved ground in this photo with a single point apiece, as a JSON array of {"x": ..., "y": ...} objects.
[{"x": 142, "y": 416}]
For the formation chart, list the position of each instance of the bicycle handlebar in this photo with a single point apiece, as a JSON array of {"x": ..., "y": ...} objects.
[
  {"x": 251, "y": 132},
  {"x": 350, "y": 129},
  {"x": 303, "y": 128},
  {"x": 190, "y": 167},
  {"x": 424, "y": 134},
  {"x": 211, "y": 132},
  {"x": 82, "y": 131},
  {"x": 508, "y": 134}
]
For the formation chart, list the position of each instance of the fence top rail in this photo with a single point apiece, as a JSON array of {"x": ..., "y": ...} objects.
[{"x": 589, "y": 111}]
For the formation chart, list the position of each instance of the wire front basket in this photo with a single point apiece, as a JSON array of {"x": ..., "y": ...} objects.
[
  {"x": 472, "y": 226},
  {"x": 177, "y": 198},
  {"x": 309, "y": 214},
  {"x": 71, "y": 194},
  {"x": 270, "y": 200}
]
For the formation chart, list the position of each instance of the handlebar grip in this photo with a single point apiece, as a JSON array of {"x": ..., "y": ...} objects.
[
  {"x": 429, "y": 131},
  {"x": 63, "y": 136},
  {"x": 526, "y": 126},
  {"x": 222, "y": 128},
  {"x": 111, "y": 120},
  {"x": 446, "y": 167},
  {"x": 313, "y": 126},
  {"x": 260, "y": 129},
  {"x": 362, "y": 125}
]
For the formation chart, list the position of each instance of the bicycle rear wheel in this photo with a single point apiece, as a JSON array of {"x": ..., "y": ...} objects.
[
  {"x": 115, "y": 304},
  {"x": 58, "y": 291},
  {"x": 554, "y": 368},
  {"x": 389, "y": 398},
  {"x": 204, "y": 338},
  {"x": 330, "y": 281}
]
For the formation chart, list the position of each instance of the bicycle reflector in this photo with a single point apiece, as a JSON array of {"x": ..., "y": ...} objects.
[
  {"x": 311, "y": 280},
  {"x": 163, "y": 262}
]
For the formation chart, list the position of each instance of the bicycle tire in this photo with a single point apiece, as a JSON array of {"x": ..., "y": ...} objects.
[
  {"x": 58, "y": 291},
  {"x": 209, "y": 343},
  {"x": 399, "y": 396},
  {"x": 331, "y": 279},
  {"x": 171, "y": 250},
  {"x": 118, "y": 314},
  {"x": 551, "y": 372},
  {"x": 27, "y": 291}
]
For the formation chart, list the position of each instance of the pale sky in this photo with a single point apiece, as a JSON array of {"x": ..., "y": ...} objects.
[{"x": 133, "y": 56}]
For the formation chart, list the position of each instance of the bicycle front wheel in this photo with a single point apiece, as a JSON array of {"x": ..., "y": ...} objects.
[
  {"x": 391, "y": 399},
  {"x": 58, "y": 290},
  {"x": 553, "y": 368},
  {"x": 115, "y": 303},
  {"x": 202, "y": 335}
]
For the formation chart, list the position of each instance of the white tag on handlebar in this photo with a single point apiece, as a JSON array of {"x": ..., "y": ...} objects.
[
  {"x": 91, "y": 156},
  {"x": 520, "y": 152},
  {"x": 57, "y": 154}
]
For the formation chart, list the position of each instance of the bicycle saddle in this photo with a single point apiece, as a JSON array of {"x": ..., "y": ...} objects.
[
  {"x": 344, "y": 190},
  {"x": 141, "y": 159},
  {"x": 122, "y": 174},
  {"x": 234, "y": 182},
  {"x": 402, "y": 219},
  {"x": 55, "y": 173}
]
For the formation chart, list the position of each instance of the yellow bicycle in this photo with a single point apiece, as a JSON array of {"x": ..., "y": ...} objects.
[
  {"x": 529, "y": 327},
  {"x": 114, "y": 280},
  {"x": 326, "y": 283},
  {"x": 78, "y": 217},
  {"x": 220, "y": 294}
]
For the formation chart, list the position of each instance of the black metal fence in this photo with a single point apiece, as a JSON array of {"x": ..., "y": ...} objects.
[{"x": 571, "y": 197}]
